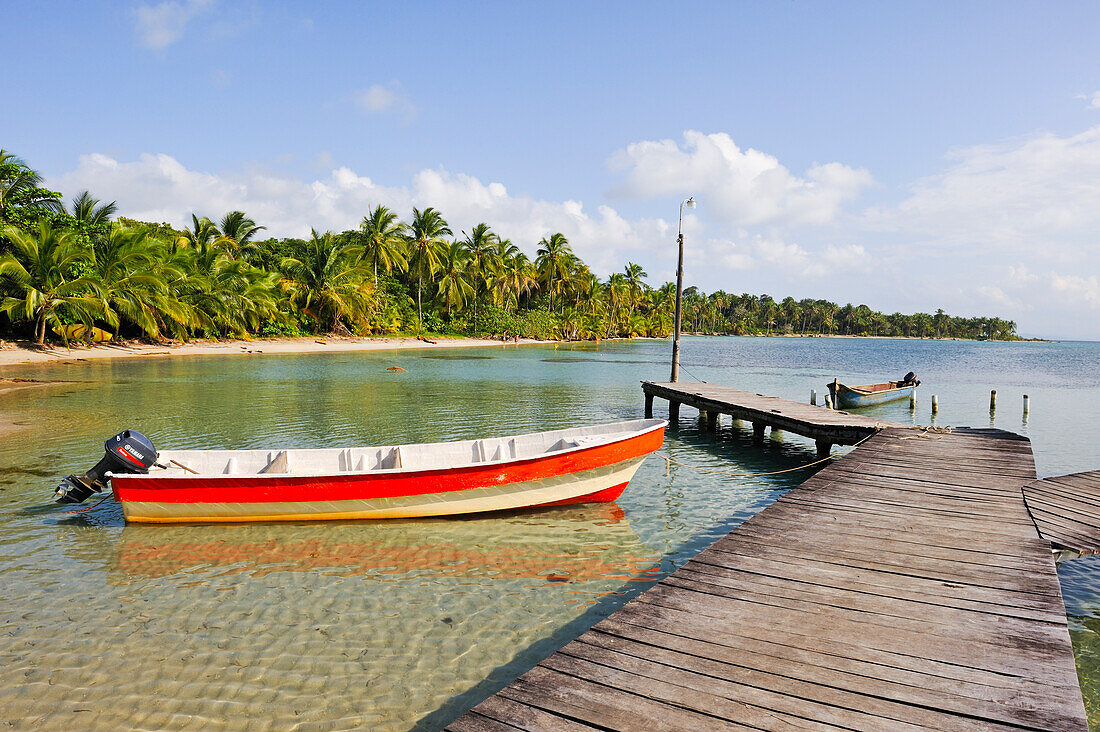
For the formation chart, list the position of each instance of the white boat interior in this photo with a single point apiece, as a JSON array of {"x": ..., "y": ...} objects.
[{"x": 395, "y": 458}]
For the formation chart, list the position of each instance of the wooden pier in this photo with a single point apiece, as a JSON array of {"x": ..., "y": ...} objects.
[
  {"x": 1066, "y": 510},
  {"x": 902, "y": 587},
  {"x": 825, "y": 426}
]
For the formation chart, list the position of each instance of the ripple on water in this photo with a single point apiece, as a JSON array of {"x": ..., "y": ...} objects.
[{"x": 353, "y": 625}]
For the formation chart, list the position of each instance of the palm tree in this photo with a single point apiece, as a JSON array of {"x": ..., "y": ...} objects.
[
  {"x": 479, "y": 243},
  {"x": 37, "y": 271},
  {"x": 89, "y": 210},
  {"x": 552, "y": 261},
  {"x": 201, "y": 235},
  {"x": 425, "y": 240},
  {"x": 382, "y": 239},
  {"x": 516, "y": 276},
  {"x": 454, "y": 268},
  {"x": 237, "y": 231},
  {"x": 617, "y": 292},
  {"x": 634, "y": 277},
  {"x": 20, "y": 186},
  {"x": 133, "y": 275},
  {"x": 328, "y": 280}
]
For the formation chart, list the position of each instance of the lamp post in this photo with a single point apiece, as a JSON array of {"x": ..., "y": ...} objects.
[{"x": 690, "y": 203}]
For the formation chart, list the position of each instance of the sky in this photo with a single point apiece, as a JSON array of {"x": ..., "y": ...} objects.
[{"x": 908, "y": 156}]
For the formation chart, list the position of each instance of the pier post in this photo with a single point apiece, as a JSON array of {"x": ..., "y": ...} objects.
[
  {"x": 824, "y": 448},
  {"x": 673, "y": 411},
  {"x": 758, "y": 433},
  {"x": 712, "y": 421},
  {"x": 813, "y": 397},
  {"x": 828, "y": 402},
  {"x": 992, "y": 400},
  {"x": 912, "y": 401},
  {"x": 649, "y": 406},
  {"x": 935, "y": 404},
  {"x": 1026, "y": 405}
]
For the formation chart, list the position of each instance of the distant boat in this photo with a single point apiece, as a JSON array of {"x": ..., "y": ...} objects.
[
  {"x": 851, "y": 397},
  {"x": 589, "y": 464}
]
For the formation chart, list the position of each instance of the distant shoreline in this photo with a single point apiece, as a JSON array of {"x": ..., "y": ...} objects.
[
  {"x": 23, "y": 353},
  {"x": 870, "y": 337}
]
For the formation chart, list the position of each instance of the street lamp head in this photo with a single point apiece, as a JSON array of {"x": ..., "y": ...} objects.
[{"x": 690, "y": 203}]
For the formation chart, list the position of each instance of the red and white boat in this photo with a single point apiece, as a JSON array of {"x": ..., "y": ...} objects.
[{"x": 577, "y": 465}]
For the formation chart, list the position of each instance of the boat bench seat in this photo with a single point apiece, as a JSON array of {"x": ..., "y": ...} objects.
[{"x": 279, "y": 464}]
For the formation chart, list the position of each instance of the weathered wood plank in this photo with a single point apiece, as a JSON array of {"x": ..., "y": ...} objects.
[
  {"x": 1066, "y": 510},
  {"x": 903, "y": 587}
]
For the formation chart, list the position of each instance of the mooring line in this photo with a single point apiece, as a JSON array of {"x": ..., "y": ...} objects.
[{"x": 927, "y": 433}]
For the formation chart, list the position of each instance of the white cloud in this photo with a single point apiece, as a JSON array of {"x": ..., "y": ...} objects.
[
  {"x": 159, "y": 26},
  {"x": 1009, "y": 229},
  {"x": 1077, "y": 290},
  {"x": 159, "y": 188},
  {"x": 769, "y": 252},
  {"x": 1092, "y": 99},
  {"x": 1028, "y": 196},
  {"x": 739, "y": 187},
  {"x": 384, "y": 99}
]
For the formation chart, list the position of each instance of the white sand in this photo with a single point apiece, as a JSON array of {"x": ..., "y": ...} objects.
[{"x": 15, "y": 354}]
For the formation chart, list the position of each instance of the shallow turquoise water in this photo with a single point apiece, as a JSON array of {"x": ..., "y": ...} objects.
[{"x": 385, "y": 624}]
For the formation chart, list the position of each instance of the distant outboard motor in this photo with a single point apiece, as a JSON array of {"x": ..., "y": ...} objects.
[
  {"x": 127, "y": 452},
  {"x": 910, "y": 379}
]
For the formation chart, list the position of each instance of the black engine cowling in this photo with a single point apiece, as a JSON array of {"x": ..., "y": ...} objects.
[
  {"x": 910, "y": 379},
  {"x": 127, "y": 452}
]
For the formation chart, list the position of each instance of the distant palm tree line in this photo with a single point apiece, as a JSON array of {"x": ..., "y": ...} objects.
[{"x": 62, "y": 266}]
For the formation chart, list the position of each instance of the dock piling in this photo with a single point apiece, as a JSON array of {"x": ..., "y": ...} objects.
[
  {"x": 758, "y": 433},
  {"x": 935, "y": 404},
  {"x": 912, "y": 401},
  {"x": 1026, "y": 404},
  {"x": 992, "y": 400},
  {"x": 649, "y": 406},
  {"x": 813, "y": 397}
]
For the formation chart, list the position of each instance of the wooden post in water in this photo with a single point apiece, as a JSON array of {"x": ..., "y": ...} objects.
[
  {"x": 935, "y": 404},
  {"x": 824, "y": 448},
  {"x": 828, "y": 402},
  {"x": 712, "y": 421},
  {"x": 673, "y": 412},
  {"x": 992, "y": 400},
  {"x": 758, "y": 433},
  {"x": 912, "y": 401},
  {"x": 649, "y": 406},
  {"x": 1026, "y": 406},
  {"x": 813, "y": 397}
]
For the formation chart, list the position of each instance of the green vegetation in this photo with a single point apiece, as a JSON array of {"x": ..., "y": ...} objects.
[
  {"x": 723, "y": 313},
  {"x": 63, "y": 266}
]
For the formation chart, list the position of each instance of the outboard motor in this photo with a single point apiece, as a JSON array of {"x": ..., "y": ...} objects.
[
  {"x": 127, "y": 452},
  {"x": 910, "y": 379}
]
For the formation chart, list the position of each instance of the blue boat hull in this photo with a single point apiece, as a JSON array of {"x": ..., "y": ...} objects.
[{"x": 853, "y": 397}]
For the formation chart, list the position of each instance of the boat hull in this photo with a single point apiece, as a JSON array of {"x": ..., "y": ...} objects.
[
  {"x": 848, "y": 397},
  {"x": 594, "y": 474}
]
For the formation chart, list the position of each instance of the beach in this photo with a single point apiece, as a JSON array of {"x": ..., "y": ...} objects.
[{"x": 13, "y": 354}]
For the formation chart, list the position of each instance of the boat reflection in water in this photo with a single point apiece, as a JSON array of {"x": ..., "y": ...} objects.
[{"x": 573, "y": 544}]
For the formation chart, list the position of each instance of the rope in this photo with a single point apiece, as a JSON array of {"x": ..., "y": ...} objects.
[
  {"x": 89, "y": 508},
  {"x": 691, "y": 374},
  {"x": 669, "y": 461},
  {"x": 931, "y": 433}
]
